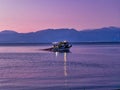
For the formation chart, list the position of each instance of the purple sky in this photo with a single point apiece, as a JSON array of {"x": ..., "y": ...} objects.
[{"x": 33, "y": 15}]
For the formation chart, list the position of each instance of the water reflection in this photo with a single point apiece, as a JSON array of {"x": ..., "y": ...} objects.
[
  {"x": 65, "y": 73},
  {"x": 65, "y": 64},
  {"x": 65, "y": 61},
  {"x": 56, "y": 54},
  {"x": 65, "y": 68}
]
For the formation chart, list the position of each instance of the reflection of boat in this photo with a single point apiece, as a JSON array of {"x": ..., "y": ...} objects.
[
  {"x": 60, "y": 47},
  {"x": 65, "y": 71},
  {"x": 65, "y": 64}
]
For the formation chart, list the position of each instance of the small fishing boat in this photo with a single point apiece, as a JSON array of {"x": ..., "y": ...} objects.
[{"x": 63, "y": 46}]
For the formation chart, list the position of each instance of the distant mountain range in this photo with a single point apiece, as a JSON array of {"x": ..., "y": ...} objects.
[{"x": 108, "y": 34}]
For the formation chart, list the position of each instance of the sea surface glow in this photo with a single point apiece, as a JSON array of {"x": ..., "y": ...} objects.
[{"x": 86, "y": 67}]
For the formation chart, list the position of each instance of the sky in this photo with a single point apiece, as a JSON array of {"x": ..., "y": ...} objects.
[{"x": 34, "y": 15}]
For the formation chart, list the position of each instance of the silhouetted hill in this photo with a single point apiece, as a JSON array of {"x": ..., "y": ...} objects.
[
  {"x": 109, "y": 34},
  {"x": 8, "y": 32}
]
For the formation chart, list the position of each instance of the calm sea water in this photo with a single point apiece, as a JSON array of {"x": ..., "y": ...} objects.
[{"x": 86, "y": 67}]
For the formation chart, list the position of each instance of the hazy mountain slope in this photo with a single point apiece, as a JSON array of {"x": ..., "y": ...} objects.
[{"x": 110, "y": 34}]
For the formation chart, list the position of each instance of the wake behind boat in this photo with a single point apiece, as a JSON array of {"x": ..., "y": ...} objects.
[{"x": 60, "y": 47}]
